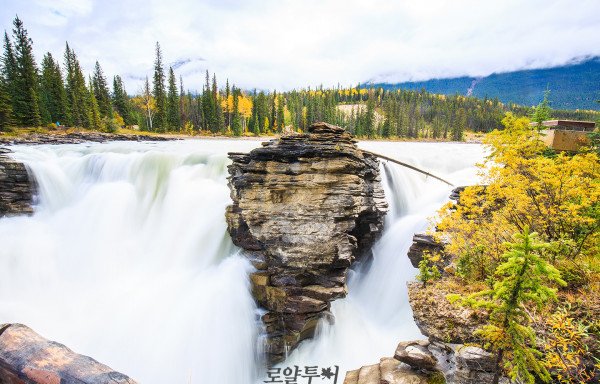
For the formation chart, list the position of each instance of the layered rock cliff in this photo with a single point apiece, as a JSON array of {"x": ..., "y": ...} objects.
[
  {"x": 16, "y": 187},
  {"x": 305, "y": 207}
]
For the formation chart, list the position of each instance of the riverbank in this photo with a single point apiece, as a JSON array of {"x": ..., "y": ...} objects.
[{"x": 79, "y": 135}]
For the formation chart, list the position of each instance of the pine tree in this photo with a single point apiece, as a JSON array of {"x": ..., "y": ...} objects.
[
  {"x": 227, "y": 111},
  {"x": 120, "y": 100},
  {"x": 254, "y": 116},
  {"x": 369, "y": 118},
  {"x": 78, "y": 107},
  {"x": 207, "y": 105},
  {"x": 149, "y": 105},
  {"x": 273, "y": 111},
  {"x": 216, "y": 123},
  {"x": 26, "y": 99},
  {"x": 280, "y": 113},
  {"x": 5, "y": 105},
  {"x": 173, "y": 103},
  {"x": 522, "y": 279},
  {"x": 159, "y": 92},
  {"x": 94, "y": 117},
  {"x": 53, "y": 97},
  {"x": 236, "y": 123},
  {"x": 183, "y": 112},
  {"x": 101, "y": 92},
  {"x": 9, "y": 70}
]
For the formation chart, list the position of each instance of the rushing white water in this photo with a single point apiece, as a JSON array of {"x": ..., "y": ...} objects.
[
  {"x": 127, "y": 259},
  {"x": 376, "y": 314}
]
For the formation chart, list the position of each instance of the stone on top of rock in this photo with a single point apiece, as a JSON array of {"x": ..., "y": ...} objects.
[
  {"x": 325, "y": 128},
  {"x": 28, "y": 358},
  {"x": 304, "y": 208},
  {"x": 416, "y": 354}
]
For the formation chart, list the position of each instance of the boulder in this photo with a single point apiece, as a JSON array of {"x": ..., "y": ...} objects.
[
  {"x": 304, "y": 208},
  {"x": 28, "y": 358},
  {"x": 424, "y": 243},
  {"x": 416, "y": 354}
]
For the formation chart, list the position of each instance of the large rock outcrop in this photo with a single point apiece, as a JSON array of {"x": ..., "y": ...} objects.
[
  {"x": 441, "y": 320},
  {"x": 16, "y": 187},
  {"x": 305, "y": 207},
  {"x": 28, "y": 358}
]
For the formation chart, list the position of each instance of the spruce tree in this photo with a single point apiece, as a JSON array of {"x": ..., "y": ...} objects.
[
  {"x": 101, "y": 92},
  {"x": 120, "y": 100},
  {"x": 280, "y": 112},
  {"x": 149, "y": 105},
  {"x": 369, "y": 118},
  {"x": 542, "y": 111},
  {"x": 254, "y": 116},
  {"x": 236, "y": 121},
  {"x": 273, "y": 109},
  {"x": 173, "y": 116},
  {"x": 94, "y": 117},
  {"x": 521, "y": 280},
  {"x": 217, "y": 122},
  {"x": 207, "y": 104},
  {"x": 159, "y": 92},
  {"x": 227, "y": 111},
  {"x": 183, "y": 115},
  {"x": 26, "y": 107},
  {"x": 9, "y": 69},
  {"x": 78, "y": 106},
  {"x": 5, "y": 105},
  {"x": 52, "y": 90}
]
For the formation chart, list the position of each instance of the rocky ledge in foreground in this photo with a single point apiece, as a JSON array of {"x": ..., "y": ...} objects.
[
  {"x": 28, "y": 358},
  {"x": 16, "y": 187},
  {"x": 422, "y": 362},
  {"x": 77, "y": 138},
  {"x": 305, "y": 207}
]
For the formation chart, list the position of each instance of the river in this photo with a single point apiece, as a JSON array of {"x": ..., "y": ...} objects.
[{"x": 127, "y": 259}]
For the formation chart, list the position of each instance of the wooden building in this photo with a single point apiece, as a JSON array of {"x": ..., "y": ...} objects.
[{"x": 566, "y": 135}]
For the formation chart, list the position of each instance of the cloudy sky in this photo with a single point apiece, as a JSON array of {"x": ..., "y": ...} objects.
[{"x": 284, "y": 44}]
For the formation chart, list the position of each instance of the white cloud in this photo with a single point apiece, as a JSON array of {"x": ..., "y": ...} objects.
[{"x": 285, "y": 44}]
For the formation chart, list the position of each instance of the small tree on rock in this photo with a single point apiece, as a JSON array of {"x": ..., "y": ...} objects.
[{"x": 522, "y": 279}]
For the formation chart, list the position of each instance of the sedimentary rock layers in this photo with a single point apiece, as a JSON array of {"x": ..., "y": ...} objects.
[
  {"x": 305, "y": 207},
  {"x": 16, "y": 187}
]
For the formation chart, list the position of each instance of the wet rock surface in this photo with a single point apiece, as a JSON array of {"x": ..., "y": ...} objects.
[
  {"x": 422, "y": 244},
  {"x": 77, "y": 138},
  {"x": 17, "y": 187},
  {"x": 28, "y": 358},
  {"x": 422, "y": 361},
  {"x": 305, "y": 207}
]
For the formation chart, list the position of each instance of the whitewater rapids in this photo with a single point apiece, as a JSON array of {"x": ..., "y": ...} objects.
[{"x": 127, "y": 259}]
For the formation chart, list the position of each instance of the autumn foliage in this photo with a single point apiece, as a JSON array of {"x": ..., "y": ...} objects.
[{"x": 528, "y": 187}]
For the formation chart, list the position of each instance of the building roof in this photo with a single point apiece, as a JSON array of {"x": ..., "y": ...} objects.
[{"x": 571, "y": 125}]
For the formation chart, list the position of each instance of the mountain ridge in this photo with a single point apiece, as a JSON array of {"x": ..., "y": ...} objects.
[{"x": 575, "y": 85}]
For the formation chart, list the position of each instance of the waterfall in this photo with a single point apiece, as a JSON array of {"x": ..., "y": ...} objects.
[
  {"x": 376, "y": 315},
  {"x": 127, "y": 259}
]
